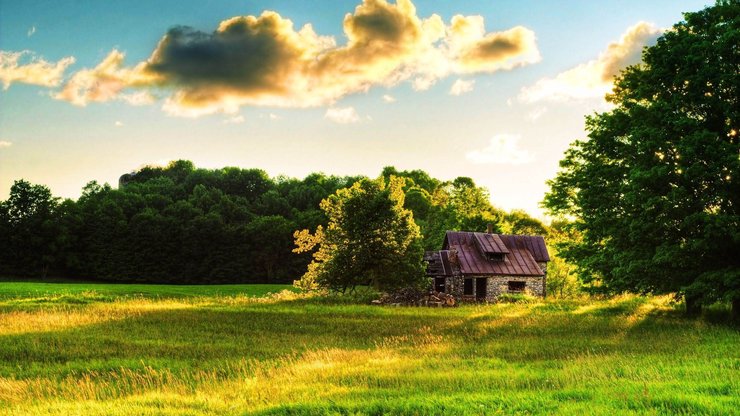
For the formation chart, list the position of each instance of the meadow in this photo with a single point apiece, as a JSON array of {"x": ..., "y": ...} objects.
[{"x": 239, "y": 350}]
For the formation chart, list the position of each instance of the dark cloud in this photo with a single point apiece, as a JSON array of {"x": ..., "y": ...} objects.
[{"x": 264, "y": 60}]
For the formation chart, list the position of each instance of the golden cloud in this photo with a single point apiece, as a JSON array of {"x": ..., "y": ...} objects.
[
  {"x": 35, "y": 72},
  {"x": 264, "y": 61},
  {"x": 595, "y": 78},
  {"x": 104, "y": 82}
]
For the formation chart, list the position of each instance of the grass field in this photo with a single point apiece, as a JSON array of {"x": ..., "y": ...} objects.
[
  {"x": 173, "y": 350},
  {"x": 36, "y": 290}
]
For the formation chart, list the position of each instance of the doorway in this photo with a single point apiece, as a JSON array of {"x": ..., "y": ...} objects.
[{"x": 481, "y": 286}]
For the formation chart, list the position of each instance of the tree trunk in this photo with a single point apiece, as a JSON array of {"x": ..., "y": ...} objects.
[
  {"x": 736, "y": 309},
  {"x": 693, "y": 308}
]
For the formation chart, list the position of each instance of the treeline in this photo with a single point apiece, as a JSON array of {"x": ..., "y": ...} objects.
[{"x": 180, "y": 224}]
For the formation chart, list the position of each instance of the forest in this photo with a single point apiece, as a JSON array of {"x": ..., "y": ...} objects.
[{"x": 182, "y": 224}]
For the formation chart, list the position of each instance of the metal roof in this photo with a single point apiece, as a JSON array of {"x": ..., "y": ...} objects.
[
  {"x": 490, "y": 243},
  {"x": 520, "y": 259}
]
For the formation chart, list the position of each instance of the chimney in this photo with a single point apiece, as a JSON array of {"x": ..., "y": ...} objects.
[{"x": 489, "y": 228}]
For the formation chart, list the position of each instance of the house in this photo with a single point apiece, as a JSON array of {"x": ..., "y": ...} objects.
[{"x": 481, "y": 266}]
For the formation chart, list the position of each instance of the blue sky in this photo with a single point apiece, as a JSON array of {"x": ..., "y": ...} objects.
[{"x": 452, "y": 105}]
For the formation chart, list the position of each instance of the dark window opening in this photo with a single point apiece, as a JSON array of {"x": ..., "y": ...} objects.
[
  {"x": 468, "y": 287},
  {"x": 496, "y": 256},
  {"x": 480, "y": 288},
  {"x": 517, "y": 286},
  {"x": 439, "y": 284}
]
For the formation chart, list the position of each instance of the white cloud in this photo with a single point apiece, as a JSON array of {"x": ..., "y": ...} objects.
[
  {"x": 137, "y": 98},
  {"x": 27, "y": 68},
  {"x": 342, "y": 115},
  {"x": 461, "y": 86},
  {"x": 5, "y": 143},
  {"x": 501, "y": 149},
  {"x": 389, "y": 98},
  {"x": 595, "y": 78},
  {"x": 118, "y": 124},
  {"x": 31, "y": 31},
  {"x": 234, "y": 120},
  {"x": 535, "y": 114},
  {"x": 274, "y": 116}
]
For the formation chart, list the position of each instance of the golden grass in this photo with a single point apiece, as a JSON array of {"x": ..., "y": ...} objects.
[{"x": 291, "y": 354}]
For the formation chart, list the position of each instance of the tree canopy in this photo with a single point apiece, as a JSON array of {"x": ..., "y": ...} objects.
[
  {"x": 370, "y": 239},
  {"x": 654, "y": 190},
  {"x": 182, "y": 224}
]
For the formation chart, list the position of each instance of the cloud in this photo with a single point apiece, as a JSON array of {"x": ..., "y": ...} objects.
[
  {"x": 461, "y": 86},
  {"x": 25, "y": 67},
  {"x": 137, "y": 98},
  {"x": 342, "y": 115},
  {"x": 595, "y": 78},
  {"x": 389, "y": 98},
  {"x": 31, "y": 31},
  {"x": 264, "y": 61},
  {"x": 477, "y": 51},
  {"x": 118, "y": 124},
  {"x": 270, "y": 116},
  {"x": 501, "y": 149},
  {"x": 104, "y": 82},
  {"x": 5, "y": 143},
  {"x": 234, "y": 120},
  {"x": 535, "y": 114}
]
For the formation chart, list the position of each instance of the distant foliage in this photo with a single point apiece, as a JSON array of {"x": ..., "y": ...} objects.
[
  {"x": 439, "y": 206},
  {"x": 562, "y": 277},
  {"x": 654, "y": 191},
  {"x": 181, "y": 224}
]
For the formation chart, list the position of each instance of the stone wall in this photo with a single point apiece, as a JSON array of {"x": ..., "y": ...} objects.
[
  {"x": 454, "y": 286},
  {"x": 496, "y": 286}
]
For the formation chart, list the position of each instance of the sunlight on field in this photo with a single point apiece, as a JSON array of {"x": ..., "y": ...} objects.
[{"x": 287, "y": 353}]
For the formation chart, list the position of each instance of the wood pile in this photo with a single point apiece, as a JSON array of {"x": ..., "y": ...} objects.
[{"x": 413, "y": 297}]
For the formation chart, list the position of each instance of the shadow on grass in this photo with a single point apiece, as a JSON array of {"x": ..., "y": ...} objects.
[{"x": 195, "y": 337}]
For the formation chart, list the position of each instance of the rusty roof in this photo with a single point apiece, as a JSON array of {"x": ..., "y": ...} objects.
[
  {"x": 490, "y": 243},
  {"x": 520, "y": 258}
]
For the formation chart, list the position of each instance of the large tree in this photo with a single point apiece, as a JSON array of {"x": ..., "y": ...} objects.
[
  {"x": 32, "y": 238},
  {"x": 654, "y": 190},
  {"x": 370, "y": 239}
]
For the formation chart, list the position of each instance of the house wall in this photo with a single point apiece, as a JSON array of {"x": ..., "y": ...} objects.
[
  {"x": 496, "y": 286},
  {"x": 454, "y": 286}
]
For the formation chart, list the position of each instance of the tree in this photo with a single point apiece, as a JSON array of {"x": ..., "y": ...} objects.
[
  {"x": 270, "y": 241},
  {"x": 370, "y": 239},
  {"x": 32, "y": 236},
  {"x": 520, "y": 222},
  {"x": 654, "y": 191}
]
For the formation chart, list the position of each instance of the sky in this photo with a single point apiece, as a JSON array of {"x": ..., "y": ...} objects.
[{"x": 492, "y": 90}]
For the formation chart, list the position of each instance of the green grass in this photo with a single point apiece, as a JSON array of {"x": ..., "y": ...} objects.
[
  {"x": 24, "y": 289},
  {"x": 210, "y": 353}
]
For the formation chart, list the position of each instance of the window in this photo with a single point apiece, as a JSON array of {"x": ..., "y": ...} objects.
[
  {"x": 496, "y": 256},
  {"x": 468, "y": 287},
  {"x": 517, "y": 286},
  {"x": 439, "y": 284}
]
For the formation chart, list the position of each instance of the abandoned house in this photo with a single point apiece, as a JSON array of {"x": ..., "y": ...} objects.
[{"x": 481, "y": 266}]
